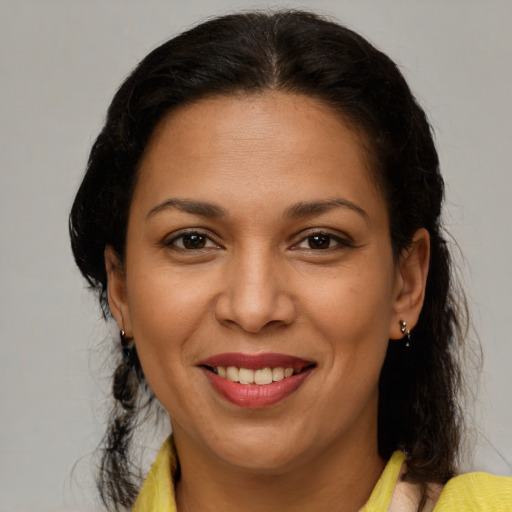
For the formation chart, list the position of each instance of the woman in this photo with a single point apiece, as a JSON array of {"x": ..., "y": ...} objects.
[{"x": 261, "y": 217}]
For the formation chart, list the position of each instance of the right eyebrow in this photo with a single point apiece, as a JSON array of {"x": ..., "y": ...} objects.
[
  {"x": 308, "y": 209},
  {"x": 194, "y": 207}
]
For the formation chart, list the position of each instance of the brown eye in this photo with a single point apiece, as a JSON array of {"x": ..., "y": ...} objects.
[
  {"x": 194, "y": 241},
  {"x": 319, "y": 241}
]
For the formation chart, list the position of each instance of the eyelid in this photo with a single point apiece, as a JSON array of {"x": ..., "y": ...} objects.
[
  {"x": 169, "y": 239},
  {"x": 342, "y": 239}
]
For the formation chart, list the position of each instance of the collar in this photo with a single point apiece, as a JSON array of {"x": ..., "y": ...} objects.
[
  {"x": 157, "y": 493},
  {"x": 158, "y": 490}
]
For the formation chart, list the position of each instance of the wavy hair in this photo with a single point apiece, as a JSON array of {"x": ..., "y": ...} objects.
[{"x": 301, "y": 53}]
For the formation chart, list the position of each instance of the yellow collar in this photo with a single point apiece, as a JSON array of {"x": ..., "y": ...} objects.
[{"x": 158, "y": 490}]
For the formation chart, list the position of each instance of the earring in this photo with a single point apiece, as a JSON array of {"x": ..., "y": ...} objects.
[
  {"x": 128, "y": 349},
  {"x": 406, "y": 332}
]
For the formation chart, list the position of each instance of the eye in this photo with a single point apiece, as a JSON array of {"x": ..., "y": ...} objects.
[
  {"x": 321, "y": 242},
  {"x": 192, "y": 241}
]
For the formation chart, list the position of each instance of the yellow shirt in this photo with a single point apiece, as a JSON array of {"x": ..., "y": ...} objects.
[{"x": 472, "y": 492}]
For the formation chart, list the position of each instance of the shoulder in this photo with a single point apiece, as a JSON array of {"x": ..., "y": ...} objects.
[
  {"x": 471, "y": 492},
  {"x": 476, "y": 492}
]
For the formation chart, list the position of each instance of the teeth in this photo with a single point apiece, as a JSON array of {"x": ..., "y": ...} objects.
[
  {"x": 232, "y": 373},
  {"x": 263, "y": 376},
  {"x": 277, "y": 374},
  {"x": 260, "y": 377},
  {"x": 246, "y": 376}
]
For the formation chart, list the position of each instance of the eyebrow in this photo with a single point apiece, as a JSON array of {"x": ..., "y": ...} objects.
[
  {"x": 307, "y": 209},
  {"x": 298, "y": 210},
  {"x": 194, "y": 207}
]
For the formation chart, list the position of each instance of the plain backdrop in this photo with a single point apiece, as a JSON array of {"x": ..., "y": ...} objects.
[{"x": 60, "y": 63}]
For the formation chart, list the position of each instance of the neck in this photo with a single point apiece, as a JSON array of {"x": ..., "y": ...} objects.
[{"x": 340, "y": 478}]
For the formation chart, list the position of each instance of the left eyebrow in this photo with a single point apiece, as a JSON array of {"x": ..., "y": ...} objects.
[
  {"x": 200, "y": 208},
  {"x": 307, "y": 209}
]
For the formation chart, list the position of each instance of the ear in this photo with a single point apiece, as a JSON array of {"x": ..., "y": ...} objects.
[
  {"x": 116, "y": 290},
  {"x": 410, "y": 283}
]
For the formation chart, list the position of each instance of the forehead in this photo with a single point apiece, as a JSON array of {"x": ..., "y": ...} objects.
[
  {"x": 291, "y": 121},
  {"x": 274, "y": 145}
]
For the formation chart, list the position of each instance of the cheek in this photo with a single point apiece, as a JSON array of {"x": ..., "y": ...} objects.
[
  {"x": 352, "y": 311},
  {"x": 166, "y": 311},
  {"x": 353, "y": 316},
  {"x": 166, "y": 308},
  {"x": 350, "y": 303}
]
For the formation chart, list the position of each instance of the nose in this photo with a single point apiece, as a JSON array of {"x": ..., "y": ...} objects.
[{"x": 256, "y": 294}]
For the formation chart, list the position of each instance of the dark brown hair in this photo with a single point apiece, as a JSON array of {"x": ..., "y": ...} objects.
[{"x": 296, "y": 52}]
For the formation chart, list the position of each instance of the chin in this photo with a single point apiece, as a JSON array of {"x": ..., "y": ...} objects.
[
  {"x": 262, "y": 461},
  {"x": 261, "y": 452}
]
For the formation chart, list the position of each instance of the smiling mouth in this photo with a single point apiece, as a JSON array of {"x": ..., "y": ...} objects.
[
  {"x": 256, "y": 380},
  {"x": 260, "y": 377}
]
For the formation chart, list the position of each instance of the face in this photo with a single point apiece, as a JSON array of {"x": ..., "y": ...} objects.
[{"x": 258, "y": 248}]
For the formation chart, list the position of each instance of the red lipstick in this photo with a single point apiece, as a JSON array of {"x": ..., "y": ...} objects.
[
  {"x": 256, "y": 361},
  {"x": 253, "y": 395}
]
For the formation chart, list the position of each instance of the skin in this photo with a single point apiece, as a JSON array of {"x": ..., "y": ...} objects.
[{"x": 260, "y": 284}]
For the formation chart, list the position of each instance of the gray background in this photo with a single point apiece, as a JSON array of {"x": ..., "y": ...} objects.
[{"x": 61, "y": 62}]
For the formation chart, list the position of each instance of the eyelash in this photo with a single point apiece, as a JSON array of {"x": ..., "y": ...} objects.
[
  {"x": 193, "y": 232},
  {"x": 338, "y": 241}
]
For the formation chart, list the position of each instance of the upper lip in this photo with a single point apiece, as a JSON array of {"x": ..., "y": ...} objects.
[{"x": 256, "y": 361}]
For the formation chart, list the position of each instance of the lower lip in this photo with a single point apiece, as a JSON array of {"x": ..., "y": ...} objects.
[{"x": 253, "y": 396}]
